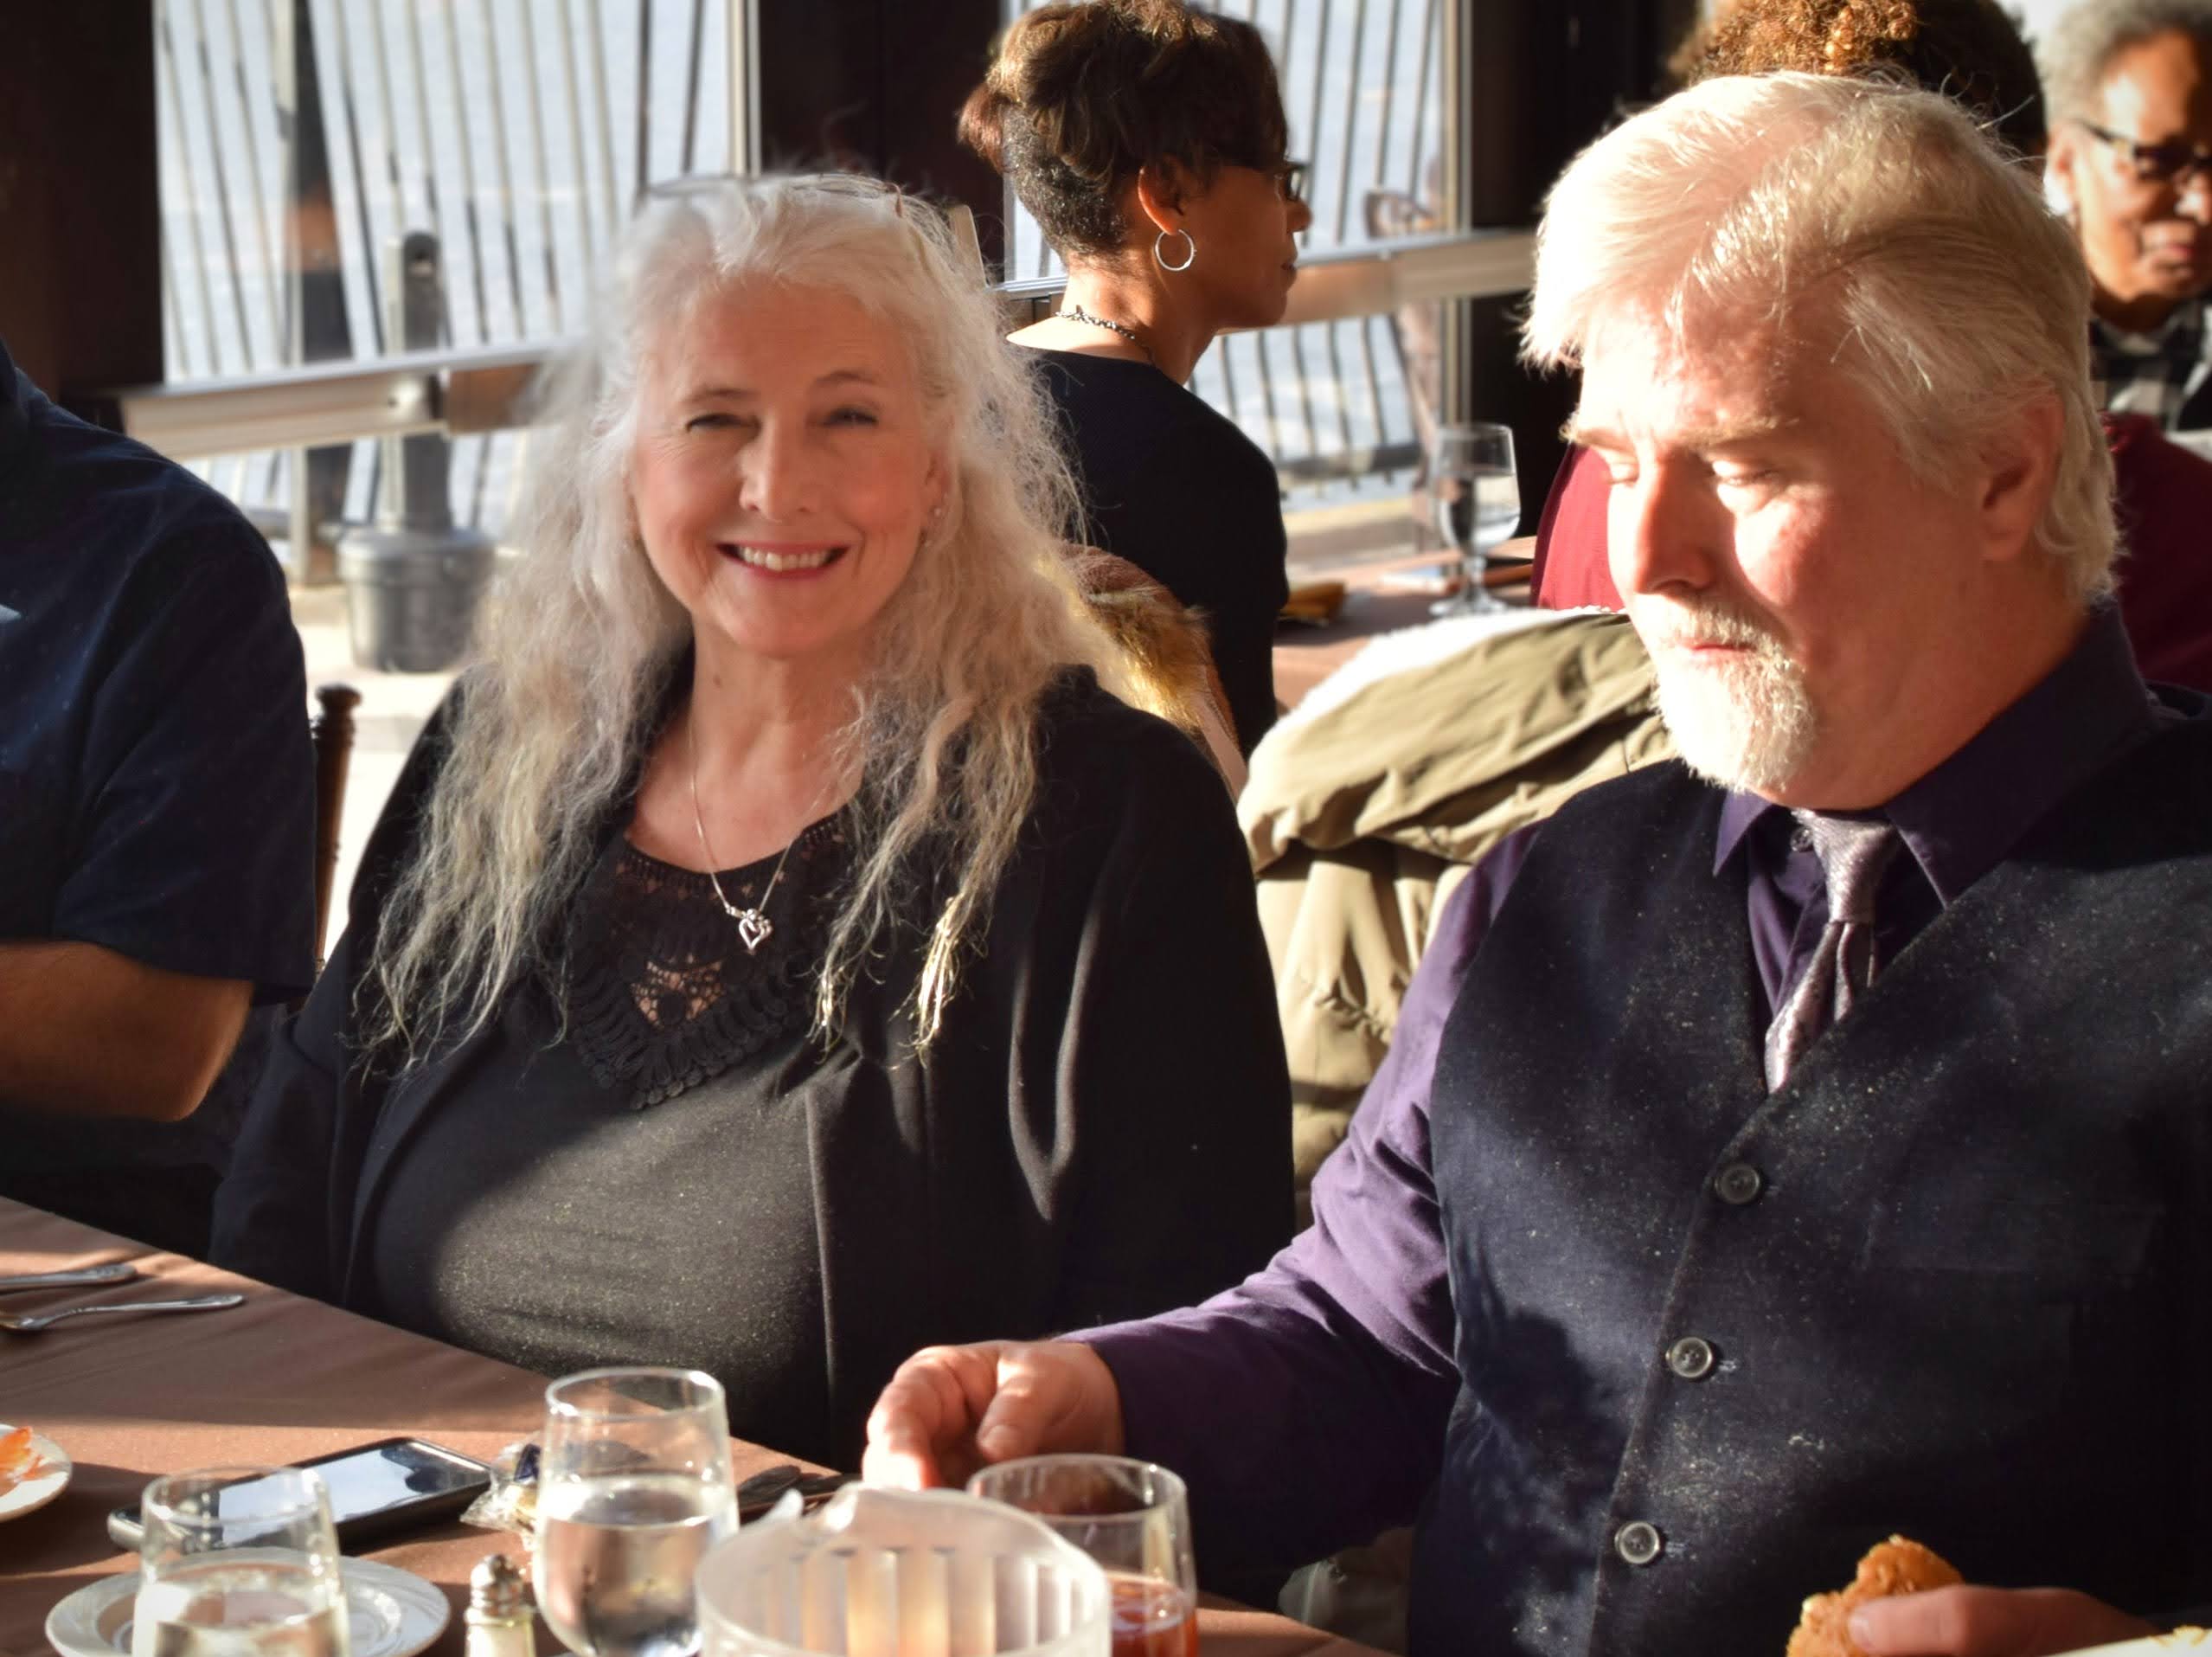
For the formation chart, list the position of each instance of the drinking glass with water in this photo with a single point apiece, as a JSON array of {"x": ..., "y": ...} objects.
[
  {"x": 1478, "y": 495},
  {"x": 239, "y": 1562},
  {"x": 633, "y": 1488}
]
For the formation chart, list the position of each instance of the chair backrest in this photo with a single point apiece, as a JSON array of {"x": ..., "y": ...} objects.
[{"x": 331, "y": 732}]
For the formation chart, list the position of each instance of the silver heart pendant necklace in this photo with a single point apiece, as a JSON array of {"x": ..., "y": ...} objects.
[{"x": 753, "y": 929}]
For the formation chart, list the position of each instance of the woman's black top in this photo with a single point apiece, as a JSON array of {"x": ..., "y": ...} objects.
[
  {"x": 1178, "y": 491},
  {"x": 571, "y": 1205},
  {"x": 1100, "y": 1129}
]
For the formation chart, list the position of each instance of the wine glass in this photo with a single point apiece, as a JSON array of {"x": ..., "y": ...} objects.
[
  {"x": 1477, "y": 498},
  {"x": 633, "y": 1488},
  {"x": 1134, "y": 1518},
  {"x": 239, "y": 1562}
]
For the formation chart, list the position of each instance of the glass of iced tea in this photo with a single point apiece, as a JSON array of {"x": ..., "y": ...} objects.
[{"x": 1134, "y": 1518}]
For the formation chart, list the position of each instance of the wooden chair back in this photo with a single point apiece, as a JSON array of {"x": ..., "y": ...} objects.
[{"x": 331, "y": 732}]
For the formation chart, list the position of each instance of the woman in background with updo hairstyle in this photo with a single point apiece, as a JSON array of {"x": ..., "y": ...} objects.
[{"x": 1148, "y": 140}]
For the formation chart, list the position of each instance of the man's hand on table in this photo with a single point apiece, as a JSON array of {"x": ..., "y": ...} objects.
[
  {"x": 1971, "y": 1622},
  {"x": 952, "y": 1409}
]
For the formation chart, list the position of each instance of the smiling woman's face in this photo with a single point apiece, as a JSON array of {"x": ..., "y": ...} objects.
[{"x": 782, "y": 474}]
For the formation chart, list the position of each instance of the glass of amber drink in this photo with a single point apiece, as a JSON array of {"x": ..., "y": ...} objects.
[{"x": 1134, "y": 1518}]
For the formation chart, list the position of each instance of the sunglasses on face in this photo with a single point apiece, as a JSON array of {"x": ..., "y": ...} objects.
[{"x": 2172, "y": 162}]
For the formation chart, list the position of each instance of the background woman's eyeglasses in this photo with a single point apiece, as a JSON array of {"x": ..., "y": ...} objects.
[{"x": 2155, "y": 163}]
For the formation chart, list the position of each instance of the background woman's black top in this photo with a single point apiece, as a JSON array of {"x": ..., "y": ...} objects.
[
  {"x": 1178, "y": 491},
  {"x": 1100, "y": 1130}
]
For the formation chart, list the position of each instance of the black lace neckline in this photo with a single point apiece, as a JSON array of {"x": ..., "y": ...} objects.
[{"x": 661, "y": 993}]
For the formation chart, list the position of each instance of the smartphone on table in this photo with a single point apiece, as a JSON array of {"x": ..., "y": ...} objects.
[{"x": 377, "y": 1490}]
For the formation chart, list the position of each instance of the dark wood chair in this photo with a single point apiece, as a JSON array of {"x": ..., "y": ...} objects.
[{"x": 331, "y": 732}]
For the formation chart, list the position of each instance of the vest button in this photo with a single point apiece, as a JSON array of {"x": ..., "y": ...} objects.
[
  {"x": 1690, "y": 1359},
  {"x": 1737, "y": 1184},
  {"x": 1638, "y": 1542}
]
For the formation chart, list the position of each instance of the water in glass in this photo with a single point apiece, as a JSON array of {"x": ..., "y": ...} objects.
[
  {"x": 1477, "y": 500},
  {"x": 633, "y": 1488},
  {"x": 616, "y": 1558}
]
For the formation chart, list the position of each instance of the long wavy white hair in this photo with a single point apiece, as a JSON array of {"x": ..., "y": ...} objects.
[{"x": 582, "y": 643}]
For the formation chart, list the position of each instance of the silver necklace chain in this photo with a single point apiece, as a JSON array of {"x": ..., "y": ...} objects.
[
  {"x": 753, "y": 929},
  {"x": 1076, "y": 313}
]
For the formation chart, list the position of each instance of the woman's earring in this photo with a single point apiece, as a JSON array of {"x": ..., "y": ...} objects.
[{"x": 1189, "y": 253}]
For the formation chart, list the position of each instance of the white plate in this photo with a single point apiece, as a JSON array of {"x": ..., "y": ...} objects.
[
  {"x": 27, "y": 1494},
  {"x": 391, "y": 1613}
]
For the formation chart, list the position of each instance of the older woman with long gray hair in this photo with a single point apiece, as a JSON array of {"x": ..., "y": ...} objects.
[{"x": 783, "y": 949}]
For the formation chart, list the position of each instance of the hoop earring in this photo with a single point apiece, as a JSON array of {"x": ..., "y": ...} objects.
[{"x": 1189, "y": 257}]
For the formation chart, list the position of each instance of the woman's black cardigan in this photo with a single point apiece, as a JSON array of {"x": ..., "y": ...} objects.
[{"x": 1100, "y": 1130}]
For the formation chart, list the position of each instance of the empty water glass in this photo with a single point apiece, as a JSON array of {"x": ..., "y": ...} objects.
[{"x": 239, "y": 1562}]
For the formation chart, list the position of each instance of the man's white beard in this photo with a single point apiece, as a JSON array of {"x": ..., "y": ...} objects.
[{"x": 1746, "y": 724}]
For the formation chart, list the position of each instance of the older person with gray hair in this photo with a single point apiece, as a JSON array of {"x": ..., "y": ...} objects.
[
  {"x": 784, "y": 947},
  {"x": 1804, "y": 1141},
  {"x": 2130, "y": 82}
]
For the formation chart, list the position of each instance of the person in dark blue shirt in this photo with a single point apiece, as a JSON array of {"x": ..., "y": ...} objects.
[{"x": 157, "y": 817}]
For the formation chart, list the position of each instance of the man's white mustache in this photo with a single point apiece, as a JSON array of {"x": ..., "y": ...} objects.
[{"x": 1706, "y": 626}]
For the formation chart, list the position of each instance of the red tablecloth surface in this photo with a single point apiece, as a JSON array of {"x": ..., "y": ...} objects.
[{"x": 275, "y": 1380}]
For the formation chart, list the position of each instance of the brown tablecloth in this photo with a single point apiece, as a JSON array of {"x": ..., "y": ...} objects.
[{"x": 274, "y": 1380}]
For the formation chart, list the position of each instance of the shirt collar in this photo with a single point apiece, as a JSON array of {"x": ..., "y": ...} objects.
[
  {"x": 2180, "y": 332},
  {"x": 1960, "y": 819}
]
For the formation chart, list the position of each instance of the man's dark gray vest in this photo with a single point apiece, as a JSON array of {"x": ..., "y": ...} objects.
[{"x": 1954, "y": 1280}]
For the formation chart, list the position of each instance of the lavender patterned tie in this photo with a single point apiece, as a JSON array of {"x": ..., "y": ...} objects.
[{"x": 1854, "y": 852}]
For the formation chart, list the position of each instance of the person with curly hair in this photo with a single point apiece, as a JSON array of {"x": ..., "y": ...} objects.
[
  {"x": 1967, "y": 49},
  {"x": 1148, "y": 139}
]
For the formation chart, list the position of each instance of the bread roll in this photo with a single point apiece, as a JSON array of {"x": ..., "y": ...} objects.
[{"x": 1897, "y": 1566}]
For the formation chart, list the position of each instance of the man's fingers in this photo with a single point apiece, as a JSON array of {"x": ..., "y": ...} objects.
[
  {"x": 950, "y": 1408},
  {"x": 1029, "y": 1400},
  {"x": 918, "y": 1422},
  {"x": 1971, "y": 1622}
]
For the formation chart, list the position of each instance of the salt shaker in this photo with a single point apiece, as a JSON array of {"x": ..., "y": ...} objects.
[{"x": 500, "y": 1611}]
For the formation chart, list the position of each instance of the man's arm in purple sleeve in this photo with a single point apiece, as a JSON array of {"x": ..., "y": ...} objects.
[{"x": 1306, "y": 1407}]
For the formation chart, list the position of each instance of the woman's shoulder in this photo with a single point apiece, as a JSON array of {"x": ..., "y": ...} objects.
[
  {"x": 1175, "y": 422},
  {"x": 1102, "y": 757}
]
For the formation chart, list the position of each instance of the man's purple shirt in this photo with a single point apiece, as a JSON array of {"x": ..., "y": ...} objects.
[{"x": 1307, "y": 1406}]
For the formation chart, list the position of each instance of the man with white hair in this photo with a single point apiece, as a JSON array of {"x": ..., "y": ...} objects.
[
  {"x": 1807, "y": 1141},
  {"x": 2130, "y": 154}
]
